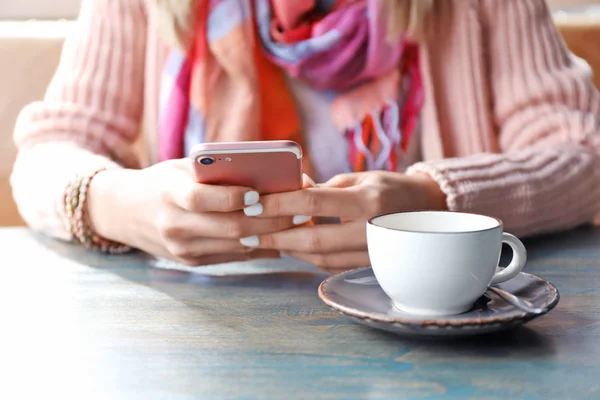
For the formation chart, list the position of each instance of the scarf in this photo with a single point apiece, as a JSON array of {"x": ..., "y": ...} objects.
[{"x": 231, "y": 83}]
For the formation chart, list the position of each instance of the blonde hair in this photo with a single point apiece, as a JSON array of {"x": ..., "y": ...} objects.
[
  {"x": 177, "y": 19},
  {"x": 408, "y": 17}
]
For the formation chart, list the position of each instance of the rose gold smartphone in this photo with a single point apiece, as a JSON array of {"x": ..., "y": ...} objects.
[{"x": 267, "y": 167}]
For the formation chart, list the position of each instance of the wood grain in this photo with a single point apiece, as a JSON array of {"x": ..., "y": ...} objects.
[{"x": 93, "y": 326}]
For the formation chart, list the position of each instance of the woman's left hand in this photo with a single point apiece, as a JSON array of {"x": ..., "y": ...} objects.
[{"x": 354, "y": 198}]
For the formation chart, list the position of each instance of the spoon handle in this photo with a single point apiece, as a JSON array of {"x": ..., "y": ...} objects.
[{"x": 518, "y": 302}]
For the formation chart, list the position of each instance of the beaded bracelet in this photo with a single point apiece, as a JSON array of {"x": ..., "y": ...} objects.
[{"x": 77, "y": 221}]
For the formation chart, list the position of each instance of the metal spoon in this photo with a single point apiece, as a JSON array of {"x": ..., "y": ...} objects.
[{"x": 518, "y": 302}]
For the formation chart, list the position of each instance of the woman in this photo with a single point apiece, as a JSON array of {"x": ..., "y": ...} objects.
[{"x": 480, "y": 99}]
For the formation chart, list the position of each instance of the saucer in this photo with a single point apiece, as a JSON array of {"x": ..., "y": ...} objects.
[{"x": 356, "y": 294}]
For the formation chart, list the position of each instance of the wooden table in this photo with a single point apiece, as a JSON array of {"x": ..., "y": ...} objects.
[{"x": 92, "y": 326}]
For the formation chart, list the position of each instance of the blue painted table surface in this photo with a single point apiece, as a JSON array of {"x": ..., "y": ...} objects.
[{"x": 94, "y": 326}]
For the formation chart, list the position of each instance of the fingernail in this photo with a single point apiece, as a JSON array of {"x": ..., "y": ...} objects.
[
  {"x": 253, "y": 210},
  {"x": 301, "y": 219},
  {"x": 250, "y": 241},
  {"x": 251, "y": 198},
  {"x": 310, "y": 180}
]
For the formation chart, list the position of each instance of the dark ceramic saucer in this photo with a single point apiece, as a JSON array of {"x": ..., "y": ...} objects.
[{"x": 357, "y": 295}]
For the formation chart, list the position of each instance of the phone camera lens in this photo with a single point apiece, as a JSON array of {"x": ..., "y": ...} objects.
[{"x": 207, "y": 161}]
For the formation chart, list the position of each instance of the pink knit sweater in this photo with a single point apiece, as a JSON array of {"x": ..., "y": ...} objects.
[{"x": 510, "y": 126}]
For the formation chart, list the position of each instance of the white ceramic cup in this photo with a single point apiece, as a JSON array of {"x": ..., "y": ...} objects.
[{"x": 439, "y": 263}]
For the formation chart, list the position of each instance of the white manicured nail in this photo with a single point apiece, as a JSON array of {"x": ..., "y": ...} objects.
[
  {"x": 301, "y": 219},
  {"x": 250, "y": 241},
  {"x": 253, "y": 210},
  {"x": 310, "y": 180},
  {"x": 251, "y": 198}
]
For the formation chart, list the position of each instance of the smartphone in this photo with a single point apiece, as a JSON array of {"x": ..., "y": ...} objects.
[{"x": 266, "y": 166}]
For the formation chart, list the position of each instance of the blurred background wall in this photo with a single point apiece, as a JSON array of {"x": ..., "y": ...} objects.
[{"x": 30, "y": 51}]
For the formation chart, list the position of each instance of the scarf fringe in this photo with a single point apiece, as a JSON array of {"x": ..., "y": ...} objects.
[{"x": 377, "y": 142}]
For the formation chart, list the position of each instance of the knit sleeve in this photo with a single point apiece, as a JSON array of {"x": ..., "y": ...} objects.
[
  {"x": 91, "y": 114},
  {"x": 546, "y": 110}
]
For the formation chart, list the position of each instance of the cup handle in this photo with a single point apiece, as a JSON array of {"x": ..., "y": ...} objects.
[{"x": 518, "y": 260}]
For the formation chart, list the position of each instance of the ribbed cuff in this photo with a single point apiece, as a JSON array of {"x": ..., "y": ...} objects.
[
  {"x": 531, "y": 191},
  {"x": 463, "y": 180},
  {"x": 442, "y": 180}
]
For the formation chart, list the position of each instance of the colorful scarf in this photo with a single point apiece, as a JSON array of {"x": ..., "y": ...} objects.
[{"x": 231, "y": 85}]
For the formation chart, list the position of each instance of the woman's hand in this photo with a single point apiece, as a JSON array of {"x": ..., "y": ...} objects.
[
  {"x": 162, "y": 211},
  {"x": 354, "y": 198}
]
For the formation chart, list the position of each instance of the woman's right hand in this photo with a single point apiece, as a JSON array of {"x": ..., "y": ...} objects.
[{"x": 162, "y": 211}]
